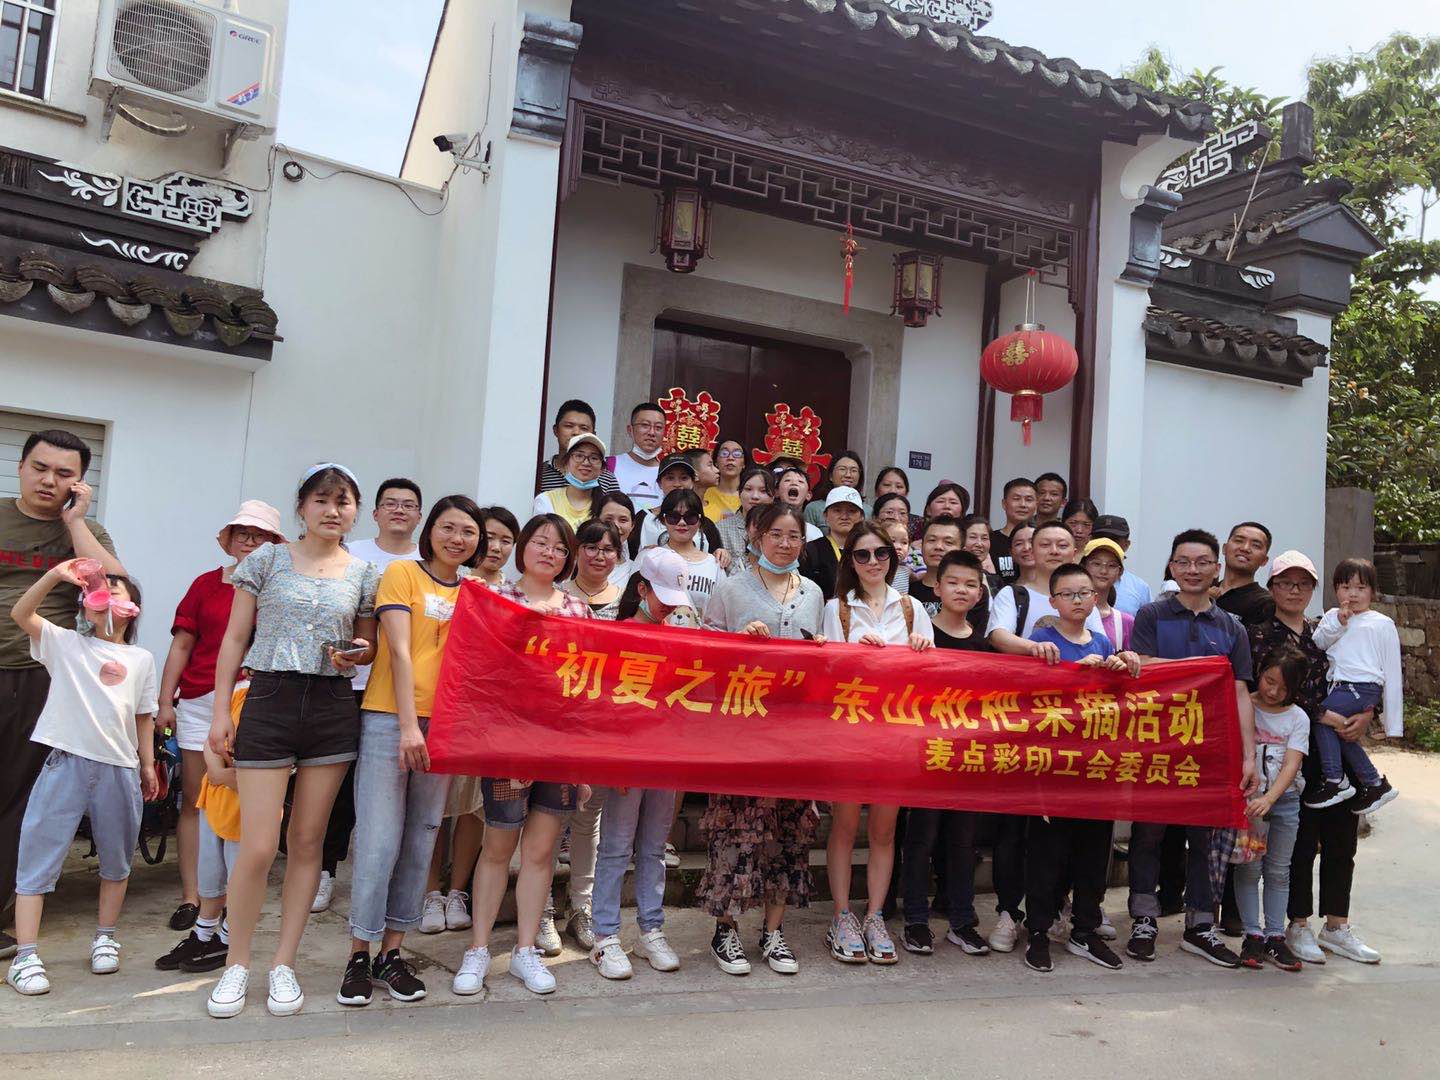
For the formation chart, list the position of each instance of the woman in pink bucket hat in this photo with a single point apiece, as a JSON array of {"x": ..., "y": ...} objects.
[{"x": 187, "y": 692}]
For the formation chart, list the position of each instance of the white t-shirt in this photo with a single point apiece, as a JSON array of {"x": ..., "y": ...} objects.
[
  {"x": 890, "y": 626},
  {"x": 1276, "y": 732},
  {"x": 639, "y": 481},
  {"x": 700, "y": 583},
  {"x": 1002, "y": 613},
  {"x": 374, "y": 554},
  {"x": 621, "y": 574},
  {"x": 97, "y": 688}
]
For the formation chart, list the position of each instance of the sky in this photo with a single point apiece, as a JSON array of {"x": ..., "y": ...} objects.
[{"x": 327, "y": 110}]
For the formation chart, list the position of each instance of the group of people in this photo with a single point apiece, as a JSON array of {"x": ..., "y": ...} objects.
[{"x": 301, "y": 675}]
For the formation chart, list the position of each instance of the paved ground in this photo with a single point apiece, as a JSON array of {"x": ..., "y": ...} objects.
[{"x": 939, "y": 1016}]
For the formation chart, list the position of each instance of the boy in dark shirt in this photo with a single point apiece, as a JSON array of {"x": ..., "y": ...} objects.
[
  {"x": 1081, "y": 846},
  {"x": 959, "y": 586}
]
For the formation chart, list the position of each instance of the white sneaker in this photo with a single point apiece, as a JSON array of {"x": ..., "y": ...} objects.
[
  {"x": 1003, "y": 937},
  {"x": 1302, "y": 942},
  {"x": 653, "y": 946},
  {"x": 324, "y": 892},
  {"x": 547, "y": 938},
  {"x": 470, "y": 979},
  {"x": 672, "y": 857},
  {"x": 432, "y": 913},
  {"x": 28, "y": 976},
  {"x": 104, "y": 955},
  {"x": 610, "y": 958},
  {"x": 1107, "y": 929},
  {"x": 525, "y": 965},
  {"x": 1343, "y": 941},
  {"x": 457, "y": 912},
  {"x": 228, "y": 997},
  {"x": 285, "y": 997}
]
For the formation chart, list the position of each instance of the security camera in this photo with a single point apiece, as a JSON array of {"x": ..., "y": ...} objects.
[{"x": 453, "y": 142}]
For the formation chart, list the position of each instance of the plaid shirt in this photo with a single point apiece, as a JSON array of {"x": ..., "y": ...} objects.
[{"x": 570, "y": 605}]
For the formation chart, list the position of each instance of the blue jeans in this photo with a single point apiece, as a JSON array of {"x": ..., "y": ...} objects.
[
  {"x": 1200, "y": 895},
  {"x": 397, "y": 818},
  {"x": 637, "y": 821},
  {"x": 1284, "y": 819},
  {"x": 1347, "y": 699}
]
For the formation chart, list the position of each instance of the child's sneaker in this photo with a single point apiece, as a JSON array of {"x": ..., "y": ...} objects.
[
  {"x": 1252, "y": 952},
  {"x": 1279, "y": 954},
  {"x": 653, "y": 947},
  {"x": 104, "y": 955},
  {"x": 1328, "y": 793},
  {"x": 228, "y": 997},
  {"x": 1373, "y": 797},
  {"x": 27, "y": 975},
  {"x": 609, "y": 958}
]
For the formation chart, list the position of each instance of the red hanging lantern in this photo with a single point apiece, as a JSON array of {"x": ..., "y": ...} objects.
[{"x": 1027, "y": 364}]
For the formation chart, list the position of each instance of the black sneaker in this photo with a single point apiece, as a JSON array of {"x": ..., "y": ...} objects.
[
  {"x": 397, "y": 976},
  {"x": 184, "y": 917},
  {"x": 356, "y": 987},
  {"x": 1093, "y": 948},
  {"x": 212, "y": 955},
  {"x": 918, "y": 939},
  {"x": 1372, "y": 798},
  {"x": 1205, "y": 941},
  {"x": 729, "y": 953},
  {"x": 1327, "y": 793},
  {"x": 1231, "y": 925},
  {"x": 1141, "y": 945},
  {"x": 8, "y": 946},
  {"x": 968, "y": 939},
  {"x": 189, "y": 947},
  {"x": 1277, "y": 951},
  {"x": 1037, "y": 953},
  {"x": 1252, "y": 952}
]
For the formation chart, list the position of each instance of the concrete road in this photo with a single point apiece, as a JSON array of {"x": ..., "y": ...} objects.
[{"x": 942, "y": 1016}]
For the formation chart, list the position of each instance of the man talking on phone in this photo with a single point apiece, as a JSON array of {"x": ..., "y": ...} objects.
[{"x": 42, "y": 528}]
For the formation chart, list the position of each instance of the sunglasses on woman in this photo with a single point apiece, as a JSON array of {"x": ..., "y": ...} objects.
[
  {"x": 674, "y": 518},
  {"x": 863, "y": 556}
]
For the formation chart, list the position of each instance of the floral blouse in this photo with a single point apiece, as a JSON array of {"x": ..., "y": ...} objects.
[{"x": 296, "y": 614}]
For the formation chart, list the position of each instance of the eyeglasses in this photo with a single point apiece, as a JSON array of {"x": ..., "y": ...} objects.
[
  {"x": 409, "y": 506},
  {"x": 249, "y": 536},
  {"x": 658, "y": 425},
  {"x": 597, "y": 549},
  {"x": 1194, "y": 564},
  {"x": 777, "y": 537},
  {"x": 734, "y": 455},
  {"x": 673, "y": 518},
  {"x": 1303, "y": 585},
  {"x": 1071, "y": 597},
  {"x": 586, "y": 459},
  {"x": 862, "y": 556}
]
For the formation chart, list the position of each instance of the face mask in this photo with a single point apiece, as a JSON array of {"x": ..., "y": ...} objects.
[
  {"x": 788, "y": 568},
  {"x": 644, "y": 455},
  {"x": 583, "y": 485},
  {"x": 645, "y": 609}
]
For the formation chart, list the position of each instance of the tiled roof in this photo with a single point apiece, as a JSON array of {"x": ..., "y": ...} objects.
[
  {"x": 1057, "y": 76},
  {"x": 236, "y": 314},
  {"x": 1257, "y": 230},
  {"x": 1253, "y": 351}
]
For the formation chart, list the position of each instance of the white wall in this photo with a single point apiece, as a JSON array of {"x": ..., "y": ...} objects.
[
  {"x": 236, "y": 252},
  {"x": 602, "y": 228}
]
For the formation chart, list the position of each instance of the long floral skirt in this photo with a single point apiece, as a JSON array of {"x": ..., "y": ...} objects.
[{"x": 759, "y": 854}]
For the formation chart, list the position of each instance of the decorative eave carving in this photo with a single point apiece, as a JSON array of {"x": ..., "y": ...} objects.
[
  {"x": 1146, "y": 222},
  {"x": 1186, "y": 326},
  {"x": 542, "y": 76}
]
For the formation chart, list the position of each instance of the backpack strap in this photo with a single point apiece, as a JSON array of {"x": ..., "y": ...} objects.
[
  {"x": 1022, "y": 607},
  {"x": 907, "y": 607}
]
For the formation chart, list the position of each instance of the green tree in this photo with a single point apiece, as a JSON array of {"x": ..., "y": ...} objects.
[{"x": 1377, "y": 125}]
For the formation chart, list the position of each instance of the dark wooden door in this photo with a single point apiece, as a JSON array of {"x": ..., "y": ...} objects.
[{"x": 749, "y": 375}]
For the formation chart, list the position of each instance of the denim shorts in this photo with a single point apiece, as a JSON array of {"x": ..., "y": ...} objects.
[
  {"x": 69, "y": 788},
  {"x": 1352, "y": 698},
  {"x": 507, "y": 805},
  {"x": 294, "y": 719}
]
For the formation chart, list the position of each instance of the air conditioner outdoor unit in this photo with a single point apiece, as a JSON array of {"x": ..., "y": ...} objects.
[{"x": 171, "y": 66}]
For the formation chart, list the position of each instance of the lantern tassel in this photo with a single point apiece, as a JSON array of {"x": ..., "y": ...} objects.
[
  {"x": 848, "y": 247},
  {"x": 1025, "y": 408}
]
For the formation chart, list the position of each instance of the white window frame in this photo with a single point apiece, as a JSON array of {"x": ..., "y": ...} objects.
[{"x": 29, "y": 7}]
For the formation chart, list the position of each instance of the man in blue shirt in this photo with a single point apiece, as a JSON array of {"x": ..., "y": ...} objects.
[{"x": 1177, "y": 627}]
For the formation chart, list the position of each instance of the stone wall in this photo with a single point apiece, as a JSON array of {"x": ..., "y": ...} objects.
[{"x": 1418, "y": 619}]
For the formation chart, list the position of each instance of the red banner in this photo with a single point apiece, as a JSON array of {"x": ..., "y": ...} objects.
[{"x": 576, "y": 700}]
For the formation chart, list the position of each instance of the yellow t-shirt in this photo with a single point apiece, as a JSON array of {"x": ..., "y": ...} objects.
[
  {"x": 406, "y": 585},
  {"x": 221, "y": 804},
  {"x": 718, "y": 504},
  {"x": 558, "y": 502}
]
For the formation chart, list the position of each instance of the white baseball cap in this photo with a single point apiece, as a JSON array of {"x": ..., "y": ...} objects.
[
  {"x": 665, "y": 572},
  {"x": 586, "y": 437},
  {"x": 840, "y": 495}
]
